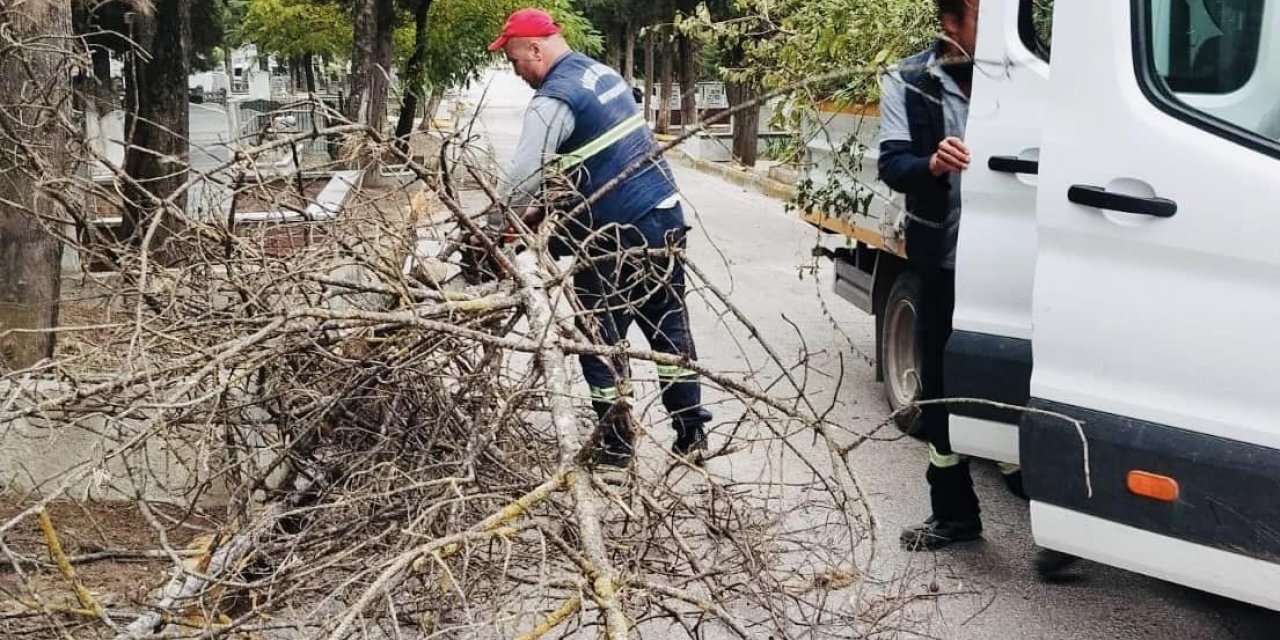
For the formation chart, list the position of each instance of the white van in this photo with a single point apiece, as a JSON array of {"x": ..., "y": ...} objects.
[{"x": 1118, "y": 272}]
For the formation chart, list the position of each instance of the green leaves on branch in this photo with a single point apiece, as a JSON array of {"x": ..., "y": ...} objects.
[
  {"x": 458, "y": 32},
  {"x": 291, "y": 28},
  {"x": 784, "y": 41},
  {"x": 776, "y": 43}
]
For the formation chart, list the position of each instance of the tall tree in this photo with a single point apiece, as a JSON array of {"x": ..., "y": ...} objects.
[
  {"x": 157, "y": 125},
  {"x": 688, "y": 53},
  {"x": 619, "y": 20},
  {"x": 297, "y": 30},
  {"x": 415, "y": 75},
  {"x": 451, "y": 49},
  {"x": 649, "y": 37},
  {"x": 668, "y": 41},
  {"x": 629, "y": 51},
  {"x": 35, "y": 101},
  {"x": 746, "y": 123},
  {"x": 373, "y": 24},
  {"x": 690, "y": 50}
]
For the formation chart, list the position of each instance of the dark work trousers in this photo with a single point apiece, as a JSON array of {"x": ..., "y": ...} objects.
[
  {"x": 617, "y": 287},
  {"x": 950, "y": 486}
]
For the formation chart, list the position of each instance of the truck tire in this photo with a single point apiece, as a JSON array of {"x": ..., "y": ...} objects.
[{"x": 900, "y": 360}]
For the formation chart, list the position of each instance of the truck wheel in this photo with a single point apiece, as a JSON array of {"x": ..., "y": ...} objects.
[{"x": 899, "y": 358}]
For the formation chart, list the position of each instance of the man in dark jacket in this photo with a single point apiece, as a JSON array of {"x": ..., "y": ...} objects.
[
  {"x": 924, "y": 105},
  {"x": 583, "y": 125}
]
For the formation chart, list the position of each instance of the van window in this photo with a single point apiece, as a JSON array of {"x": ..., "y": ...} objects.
[
  {"x": 1210, "y": 57},
  {"x": 1206, "y": 46},
  {"x": 1036, "y": 26}
]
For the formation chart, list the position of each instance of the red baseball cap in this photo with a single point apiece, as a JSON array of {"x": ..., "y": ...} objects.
[{"x": 526, "y": 23}]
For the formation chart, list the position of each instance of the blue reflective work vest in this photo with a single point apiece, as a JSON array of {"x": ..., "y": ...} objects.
[{"x": 609, "y": 135}]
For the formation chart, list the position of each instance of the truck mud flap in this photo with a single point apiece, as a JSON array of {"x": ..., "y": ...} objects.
[{"x": 854, "y": 285}]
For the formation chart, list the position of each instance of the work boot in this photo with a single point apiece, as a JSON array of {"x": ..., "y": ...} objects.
[
  {"x": 612, "y": 455},
  {"x": 935, "y": 534},
  {"x": 617, "y": 435},
  {"x": 691, "y": 444},
  {"x": 1050, "y": 564}
]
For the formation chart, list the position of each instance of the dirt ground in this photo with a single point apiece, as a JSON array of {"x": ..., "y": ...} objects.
[{"x": 120, "y": 581}]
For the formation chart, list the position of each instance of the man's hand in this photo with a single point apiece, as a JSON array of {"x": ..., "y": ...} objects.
[{"x": 951, "y": 155}]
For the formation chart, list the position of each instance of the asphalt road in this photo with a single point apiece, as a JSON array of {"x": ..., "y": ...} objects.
[{"x": 755, "y": 250}]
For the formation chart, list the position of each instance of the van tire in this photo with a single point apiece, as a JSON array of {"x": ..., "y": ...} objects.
[{"x": 900, "y": 359}]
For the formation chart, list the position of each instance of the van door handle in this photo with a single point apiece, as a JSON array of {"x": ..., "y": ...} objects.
[
  {"x": 1091, "y": 196},
  {"x": 1013, "y": 164}
]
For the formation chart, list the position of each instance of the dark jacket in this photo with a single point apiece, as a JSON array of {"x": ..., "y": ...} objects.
[{"x": 904, "y": 166}]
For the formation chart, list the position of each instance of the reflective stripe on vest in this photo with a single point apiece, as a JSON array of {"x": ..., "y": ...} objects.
[{"x": 600, "y": 143}]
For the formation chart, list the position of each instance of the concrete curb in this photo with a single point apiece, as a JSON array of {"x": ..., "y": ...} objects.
[{"x": 737, "y": 174}]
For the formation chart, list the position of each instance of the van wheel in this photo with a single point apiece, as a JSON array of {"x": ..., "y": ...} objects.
[{"x": 900, "y": 360}]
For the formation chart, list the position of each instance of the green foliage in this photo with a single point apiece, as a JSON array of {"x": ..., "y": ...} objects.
[
  {"x": 615, "y": 13},
  {"x": 460, "y": 30},
  {"x": 774, "y": 44},
  {"x": 785, "y": 41},
  {"x": 1042, "y": 23},
  {"x": 578, "y": 30},
  {"x": 291, "y": 28},
  {"x": 206, "y": 33},
  {"x": 232, "y": 20}
]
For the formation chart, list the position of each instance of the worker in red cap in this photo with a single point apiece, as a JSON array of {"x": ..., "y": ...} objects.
[{"x": 583, "y": 126}]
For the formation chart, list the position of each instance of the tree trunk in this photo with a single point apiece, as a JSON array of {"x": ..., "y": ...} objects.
[
  {"x": 629, "y": 53},
  {"x": 648, "y": 75},
  {"x": 746, "y": 123},
  {"x": 157, "y": 125},
  {"x": 664, "y": 93},
  {"x": 309, "y": 68},
  {"x": 414, "y": 77},
  {"x": 688, "y": 82},
  {"x": 35, "y": 100},
  {"x": 374, "y": 24},
  {"x": 228, "y": 67},
  {"x": 613, "y": 47},
  {"x": 433, "y": 105}
]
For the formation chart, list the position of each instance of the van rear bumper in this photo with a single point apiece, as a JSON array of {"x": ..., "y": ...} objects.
[
  {"x": 1228, "y": 491},
  {"x": 1232, "y": 575}
]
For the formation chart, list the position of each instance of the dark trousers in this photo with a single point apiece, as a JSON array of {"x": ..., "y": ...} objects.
[
  {"x": 950, "y": 485},
  {"x": 617, "y": 288}
]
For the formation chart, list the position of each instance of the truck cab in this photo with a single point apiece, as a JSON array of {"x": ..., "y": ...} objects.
[{"x": 1117, "y": 287}]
